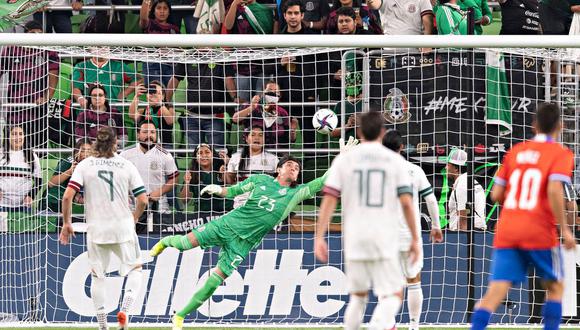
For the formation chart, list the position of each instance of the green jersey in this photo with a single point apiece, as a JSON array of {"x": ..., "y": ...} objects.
[
  {"x": 451, "y": 20},
  {"x": 269, "y": 203},
  {"x": 480, "y": 9},
  {"x": 114, "y": 75}
]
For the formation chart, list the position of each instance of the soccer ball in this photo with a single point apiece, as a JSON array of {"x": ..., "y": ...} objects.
[{"x": 324, "y": 121}]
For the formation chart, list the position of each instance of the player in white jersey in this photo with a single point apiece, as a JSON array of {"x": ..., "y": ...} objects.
[
  {"x": 421, "y": 188},
  {"x": 375, "y": 191},
  {"x": 107, "y": 180}
]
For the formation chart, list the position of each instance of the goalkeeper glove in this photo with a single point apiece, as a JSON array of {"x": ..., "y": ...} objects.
[
  {"x": 212, "y": 189},
  {"x": 344, "y": 147}
]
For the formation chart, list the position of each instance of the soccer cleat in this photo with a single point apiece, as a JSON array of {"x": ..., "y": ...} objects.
[
  {"x": 123, "y": 321},
  {"x": 177, "y": 322},
  {"x": 157, "y": 249}
]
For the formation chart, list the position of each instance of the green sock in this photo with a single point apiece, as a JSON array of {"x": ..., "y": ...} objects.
[
  {"x": 180, "y": 242},
  {"x": 203, "y": 294}
]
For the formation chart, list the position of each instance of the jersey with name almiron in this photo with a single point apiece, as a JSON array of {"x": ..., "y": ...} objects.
[
  {"x": 268, "y": 204},
  {"x": 526, "y": 220},
  {"x": 106, "y": 183},
  {"x": 369, "y": 179}
]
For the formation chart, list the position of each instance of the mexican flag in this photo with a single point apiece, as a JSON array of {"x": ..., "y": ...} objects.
[
  {"x": 211, "y": 14},
  {"x": 498, "y": 104},
  {"x": 14, "y": 12}
]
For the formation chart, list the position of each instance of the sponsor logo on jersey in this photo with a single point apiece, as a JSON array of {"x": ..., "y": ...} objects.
[{"x": 396, "y": 107}]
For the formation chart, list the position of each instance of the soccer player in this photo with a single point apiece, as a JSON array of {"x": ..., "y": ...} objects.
[
  {"x": 421, "y": 188},
  {"x": 529, "y": 187},
  {"x": 239, "y": 231},
  {"x": 374, "y": 186},
  {"x": 107, "y": 180}
]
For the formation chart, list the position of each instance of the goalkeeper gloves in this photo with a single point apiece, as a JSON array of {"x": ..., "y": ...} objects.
[
  {"x": 212, "y": 189},
  {"x": 344, "y": 147}
]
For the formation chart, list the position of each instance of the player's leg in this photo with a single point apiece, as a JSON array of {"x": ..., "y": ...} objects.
[
  {"x": 412, "y": 272},
  {"x": 549, "y": 267},
  {"x": 508, "y": 266},
  {"x": 388, "y": 282},
  {"x": 98, "y": 260},
  {"x": 200, "y": 236},
  {"x": 130, "y": 255},
  {"x": 359, "y": 283}
]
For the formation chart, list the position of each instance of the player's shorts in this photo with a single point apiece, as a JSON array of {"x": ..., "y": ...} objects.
[
  {"x": 233, "y": 248},
  {"x": 411, "y": 270},
  {"x": 383, "y": 276},
  {"x": 100, "y": 254},
  {"x": 512, "y": 264}
]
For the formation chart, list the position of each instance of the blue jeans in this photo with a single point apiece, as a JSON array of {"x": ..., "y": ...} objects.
[
  {"x": 59, "y": 21},
  {"x": 157, "y": 71},
  {"x": 199, "y": 130},
  {"x": 188, "y": 19}
]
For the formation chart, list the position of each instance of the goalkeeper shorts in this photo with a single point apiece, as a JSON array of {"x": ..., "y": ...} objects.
[{"x": 233, "y": 248}]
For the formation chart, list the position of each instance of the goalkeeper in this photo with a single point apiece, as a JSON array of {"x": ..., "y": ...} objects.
[{"x": 241, "y": 230}]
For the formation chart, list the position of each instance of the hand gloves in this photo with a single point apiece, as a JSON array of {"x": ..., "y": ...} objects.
[
  {"x": 344, "y": 147},
  {"x": 212, "y": 189}
]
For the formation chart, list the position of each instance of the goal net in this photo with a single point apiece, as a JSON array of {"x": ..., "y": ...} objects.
[{"x": 196, "y": 116}]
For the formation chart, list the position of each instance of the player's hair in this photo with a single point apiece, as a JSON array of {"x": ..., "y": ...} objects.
[
  {"x": 105, "y": 144},
  {"x": 371, "y": 125},
  {"x": 289, "y": 158},
  {"x": 292, "y": 3},
  {"x": 393, "y": 140},
  {"x": 547, "y": 117}
]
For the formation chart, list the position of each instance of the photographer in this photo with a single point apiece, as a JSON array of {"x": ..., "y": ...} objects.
[
  {"x": 265, "y": 112},
  {"x": 160, "y": 113}
]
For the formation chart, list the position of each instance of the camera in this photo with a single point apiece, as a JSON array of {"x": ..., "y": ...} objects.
[{"x": 152, "y": 89}]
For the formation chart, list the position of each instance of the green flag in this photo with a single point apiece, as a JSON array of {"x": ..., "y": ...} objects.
[
  {"x": 498, "y": 105},
  {"x": 443, "y": 200},
  {"x": 13, "y": 12},
  {"x": 260, "y": 18}
]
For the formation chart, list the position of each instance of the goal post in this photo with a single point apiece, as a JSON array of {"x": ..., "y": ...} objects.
[{"x": 478, "y": 94}]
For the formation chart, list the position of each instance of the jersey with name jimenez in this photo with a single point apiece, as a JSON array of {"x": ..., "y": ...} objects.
[
  {"x": 526, "y": 220},
  {"x": 269, "y": 203},
  {"x": 421, "y": 188},
  {"x": 106, "y": 183},
  {"x": 369, "y": 179}
]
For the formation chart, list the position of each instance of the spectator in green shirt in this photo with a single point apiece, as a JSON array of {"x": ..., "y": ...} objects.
[
  {"x": 450, "y": 18},
  {"x": 206, "y": 168},
  {"x": 59, "y": 180},
  {"x": 481, "y": 11}
]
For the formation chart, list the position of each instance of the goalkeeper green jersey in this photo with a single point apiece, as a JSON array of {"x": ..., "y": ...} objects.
[{"x": 269, "y": 203}]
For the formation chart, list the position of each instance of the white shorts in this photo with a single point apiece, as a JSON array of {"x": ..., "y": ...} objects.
[
  {"x": 384, "y": 276},
  {"x": 411, "y": 270},
  {"x": 129, "y": 253}
]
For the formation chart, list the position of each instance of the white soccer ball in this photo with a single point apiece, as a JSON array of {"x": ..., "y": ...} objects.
[{"x": 324, "y": 121}]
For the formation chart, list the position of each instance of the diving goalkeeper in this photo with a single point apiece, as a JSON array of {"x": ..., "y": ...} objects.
[{"x": 239, "y": 231}]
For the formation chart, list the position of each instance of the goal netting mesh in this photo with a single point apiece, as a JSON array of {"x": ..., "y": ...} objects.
[{"x": 221, "y": 114}]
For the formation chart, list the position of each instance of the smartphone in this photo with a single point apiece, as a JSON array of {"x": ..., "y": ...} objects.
[{"x": 152, "y": 89}]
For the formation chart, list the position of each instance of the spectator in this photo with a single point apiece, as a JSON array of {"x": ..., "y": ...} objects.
[
  {"x": 57, "y": 20},
  {"x": 365, "y": 19},
  {"x": 62, "y": 173},
  {"x": 30, "y": 81},
  {"x": 117, "y": 78},
  {"x": 20, "y": 172},
  {"x": 405, "y": 18},
  {"x": 187, "y": 16},
  {"x": 450, "y": 18},
  {"x": 157, "y": 168},
  {"x": 293, "y": 18},
  {"x": 264, "y": 111},
  {"x": 206, "y": 168},
  {"x": 481, "y": 12},
  {"x": 205, "y": 124},
  {"x": 457, "y": 204},
  {"x": 252, "y": 159},
  {"x": 314, "y": 18},
  {"x": 353, "y": 105},
  {"x": 161, "y": 114},
  {"x": 519, "y": 17},
  {"x": 98, "y": 114},
  {"x": 555, "y": 16},
  {"x": 156, "y": 18}
]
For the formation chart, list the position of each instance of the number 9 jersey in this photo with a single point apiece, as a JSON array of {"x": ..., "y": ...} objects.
[{"x": 526, "y": 220}]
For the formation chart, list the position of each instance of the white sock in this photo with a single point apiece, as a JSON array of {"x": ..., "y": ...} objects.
[
  {"x": 353, "y": 316},
  {"x": 98, "y": 292},
  {"x": 132, "y": 287},
  {"x": 385, "y": 312},
  {"x": 414, "y": 302}
]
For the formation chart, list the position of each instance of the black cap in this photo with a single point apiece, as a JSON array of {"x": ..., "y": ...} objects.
[{"x": 32, "y": 25}]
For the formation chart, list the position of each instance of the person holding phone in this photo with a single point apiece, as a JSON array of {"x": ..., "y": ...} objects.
[
  {"x": 62, "y": 173},
  {"x": 159, "y": 112}
]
